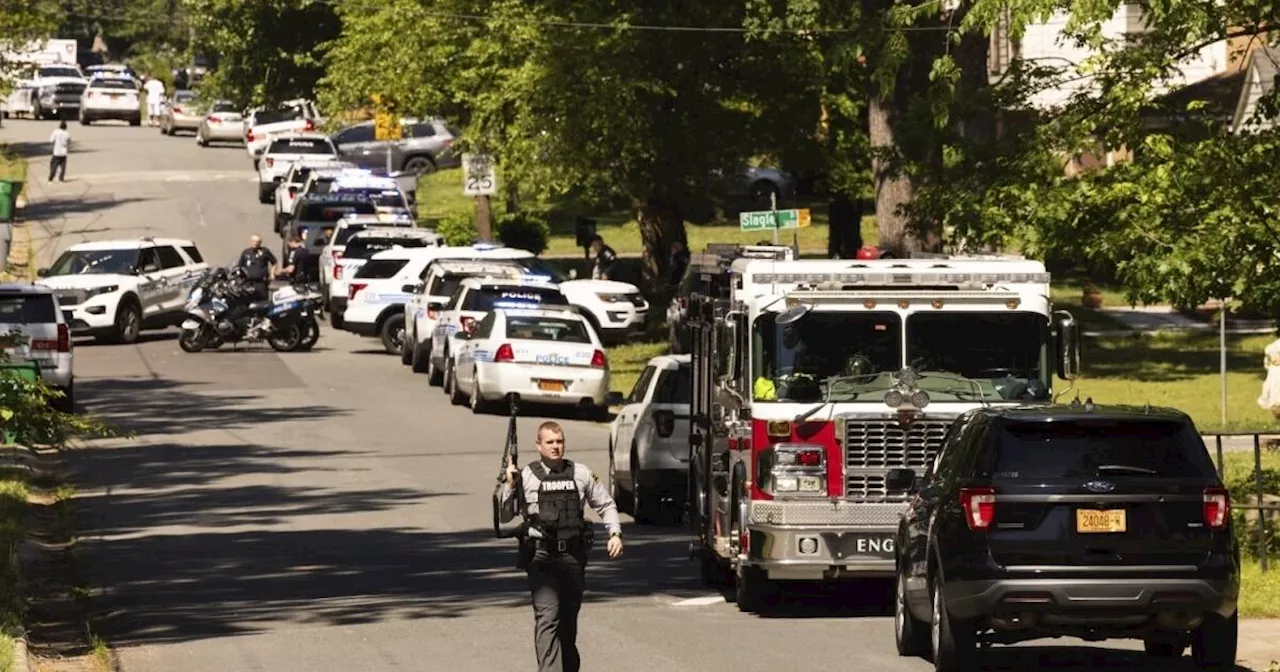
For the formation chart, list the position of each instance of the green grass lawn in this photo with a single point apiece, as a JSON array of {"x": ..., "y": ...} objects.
[
  {"x": 13, "y": 509},
  {"x": 440, "y": 195}
]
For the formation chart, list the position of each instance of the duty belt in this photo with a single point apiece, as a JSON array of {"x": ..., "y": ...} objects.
[{"x": 560, "y": 545}]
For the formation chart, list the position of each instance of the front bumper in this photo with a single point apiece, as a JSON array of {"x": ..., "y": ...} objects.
[
  {"x": 819, "y": 539},
  {"x": 496, "y": 380},
  {"x": 1111, "y": 597},
  {"x": 116, "y": 113},
  {"x": 88, "y": 318}
]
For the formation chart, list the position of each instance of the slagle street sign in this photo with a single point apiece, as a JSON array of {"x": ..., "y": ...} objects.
[{"x": 764, "y": 220}]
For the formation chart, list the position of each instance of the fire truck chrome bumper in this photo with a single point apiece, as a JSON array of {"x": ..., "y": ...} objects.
[
  {"x": 814, "y": 554},
  {"x": 827, "y": 512}
]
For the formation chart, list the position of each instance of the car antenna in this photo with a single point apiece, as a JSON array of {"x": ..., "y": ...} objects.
[
  {"x": 1075, "y": 403},
  {"x": 1088, "y": 404},
  {"x": 1147, "y": 408}
]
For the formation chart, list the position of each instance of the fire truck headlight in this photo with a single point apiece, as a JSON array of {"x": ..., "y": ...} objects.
[
  {"x": 810, "y": 484},
  {"x": 893, "y": 399},
  {"x": 919, "y": 399},
  {"x": 785, "y": 484}
]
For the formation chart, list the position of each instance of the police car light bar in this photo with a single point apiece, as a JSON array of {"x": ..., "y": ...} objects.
[
  {"x": 903, "y": 279},
  {"x": 517, "y": 305}
]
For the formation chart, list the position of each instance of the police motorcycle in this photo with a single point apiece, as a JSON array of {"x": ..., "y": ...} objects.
[{"x": 221, "y": 309}]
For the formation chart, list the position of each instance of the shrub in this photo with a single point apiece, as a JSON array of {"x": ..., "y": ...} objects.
[
  {"x": 458, "y": 230},
  {"x": 524, "y": 231}
]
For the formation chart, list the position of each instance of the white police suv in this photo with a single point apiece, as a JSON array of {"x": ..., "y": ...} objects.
[
  {"x": 542, "y": 353},
  {"x": 113, "y": 289},
  {"x": 439, "y": 284}
]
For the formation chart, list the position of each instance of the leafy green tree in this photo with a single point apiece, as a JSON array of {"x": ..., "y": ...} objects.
[{"x": 22, "y": 22}]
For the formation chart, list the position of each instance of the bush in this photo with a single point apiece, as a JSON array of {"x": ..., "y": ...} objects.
[
  {"x": 523, "y": 231},
  {"x": 457, "y": 231}
]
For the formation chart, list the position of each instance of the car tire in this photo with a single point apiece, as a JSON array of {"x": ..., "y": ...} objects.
[
  {"x": 760, "y": 191},
  {"x": 84, "y": 121},
  {"x": 451, "y": 384},
  {"x": 406, "y": 350},
  {"x": 419, "y": 165},
  {"x": 1214, "y": 643},
  {"x": 128, "y": 324},
  {"x": 644, "y": 506},
  {"x": 135, "y": 121},
  {"x": 392, "y": 333},
  {"x": 909, "y": 633},
  {"x": 336, "y": 320},
  {"x": 754, "y": 591},
  {"x": 953, "y": 641},
  {"x": 265, "y": 195},
  {"x": 621, "y": 498},
  {"x": 421, "y": 354},
  {"x": 200, "y": 141},
  {"x": 478, "y": 404},
  {"x": 435, "y": 377}
]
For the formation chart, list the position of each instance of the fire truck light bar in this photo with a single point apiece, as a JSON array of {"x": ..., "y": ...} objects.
[{"x": 905, "y": 279}]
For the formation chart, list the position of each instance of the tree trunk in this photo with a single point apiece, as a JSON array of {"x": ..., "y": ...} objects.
[
  {"x": 484, "y": 219},
  {"x": 844, "y": 232},
  {"x": 661, "y": 224},
  {"x": 893, "y": 189}
]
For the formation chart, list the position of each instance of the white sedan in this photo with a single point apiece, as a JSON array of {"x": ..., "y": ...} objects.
[{"x": 543, "y": 355}]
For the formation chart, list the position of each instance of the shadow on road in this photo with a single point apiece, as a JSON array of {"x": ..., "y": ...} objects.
[
  {"x": 1077, "y": 659},
  {"x": 48, "y": 208}
]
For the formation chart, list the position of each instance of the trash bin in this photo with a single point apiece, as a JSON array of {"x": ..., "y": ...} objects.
[{"x": 8, "y": 198}]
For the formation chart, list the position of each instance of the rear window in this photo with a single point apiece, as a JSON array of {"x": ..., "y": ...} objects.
[
  {"x": 193, "y": 253},
  {"x": 445, "y": 285},
  {"x": 1100, "y": 448},
  {"x": 224, "y": 106},
  {"x": 345, "y": 234},
  {"x": 300, "y": 146},
  {"x": 553, "y": 329},
  {"x": 333, "y": 211},
  {"x": 29, "y": 309},
  {"x": 486, "y": 298},
  {"x": 123, "y": 84},
  {"x": 278, "y": 115},
  {"x": 363, "y": 248},
  {"x": 674, "y": 387},
  {"x": 381, "y": 268}
]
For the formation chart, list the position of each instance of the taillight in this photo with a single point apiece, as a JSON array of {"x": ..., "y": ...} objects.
[
  {"x": 248, "y": 134},
  {"x": 355, "y": 287},
  {"x": 468, "y": 324},
  {"x": 178, "y": 109},
  {"x": 1217, "y": 508},
  {"x": 64, "y": 338},
  {"x": 664, "y": 422},
  {"x": 337, "y": 271},
  {"x": 504, "y": 353},
  {"x": 310, "y": 125},
  {"x": 979, "y": 506},
  {"x": 598, "y": 360},
  {"x": 213, "y": 119}
]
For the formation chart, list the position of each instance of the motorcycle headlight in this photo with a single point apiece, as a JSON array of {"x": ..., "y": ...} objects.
[{"x": 98, "y": 291}]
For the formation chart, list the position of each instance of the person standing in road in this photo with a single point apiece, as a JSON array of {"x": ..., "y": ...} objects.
[
  {"x": 61, "y": 141},
  {"x": 155, "y": 100},
  {"x": 605, "y": 256},
  {"x": 258, "y": 264},
  {"x": 555, "y": 490},
  {"x": 298, "y": 263}
]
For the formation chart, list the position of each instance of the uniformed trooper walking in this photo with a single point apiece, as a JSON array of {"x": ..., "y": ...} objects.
[
  {"x": 555, "y": 490},
  {"x": 258, "y": 264}
]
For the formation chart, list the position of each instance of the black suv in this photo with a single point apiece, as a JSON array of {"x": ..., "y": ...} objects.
[{"x": 1097, "y": 522}]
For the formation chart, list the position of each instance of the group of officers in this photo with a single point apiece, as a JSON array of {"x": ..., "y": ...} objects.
[{"x": 259, "y": 264}]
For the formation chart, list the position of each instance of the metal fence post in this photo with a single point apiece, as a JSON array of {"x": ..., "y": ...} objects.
[
  {"x": 1262, "y": 511},
  {"x": 1221, "y": 468}
]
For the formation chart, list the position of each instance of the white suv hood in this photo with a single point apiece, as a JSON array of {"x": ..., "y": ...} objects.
[{"x": 85, "y": 280}]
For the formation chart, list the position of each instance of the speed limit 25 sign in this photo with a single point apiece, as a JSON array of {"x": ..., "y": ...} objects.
[{"x": 479, "y": 175}]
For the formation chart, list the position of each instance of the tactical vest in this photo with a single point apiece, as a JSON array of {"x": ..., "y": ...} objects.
[{"x": 559, "y": 507}]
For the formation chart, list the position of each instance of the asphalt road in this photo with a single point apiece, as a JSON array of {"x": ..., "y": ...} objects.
[{"x": 330, "y": 511}]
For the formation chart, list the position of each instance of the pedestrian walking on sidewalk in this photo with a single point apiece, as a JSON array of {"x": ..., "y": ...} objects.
[
  {"x": 61, "y": 141},
  {"x": 559, "y": 537},
  {"x": 1270, "y": 398}
]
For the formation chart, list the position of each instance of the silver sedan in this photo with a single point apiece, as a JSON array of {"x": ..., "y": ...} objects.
[{"x": 222, "y": 123}]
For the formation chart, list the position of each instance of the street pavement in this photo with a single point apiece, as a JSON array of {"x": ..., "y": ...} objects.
[{"x": 330, "y": 511}]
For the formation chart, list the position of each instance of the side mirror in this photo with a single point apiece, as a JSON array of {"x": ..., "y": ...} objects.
[
  {"x": 435, "y": 306},
  {"x": 462, "y": 335},
  {"x": 412, "y": 289},
  {"x": 1068, "y": 346},
  {"x": 614, "y": 399},
  {"x": 293, "y": 188},
  {"x": 42, "y": 272},
  {"x": 573, "y": 274},
  {"x": 900, "y": 480}
]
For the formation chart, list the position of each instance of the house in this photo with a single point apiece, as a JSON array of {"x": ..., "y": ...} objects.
[{"x": 1260, "y": 73}]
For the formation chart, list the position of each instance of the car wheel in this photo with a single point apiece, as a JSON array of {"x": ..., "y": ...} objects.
[
  {"x": 420, "y": 357},
  {"x": 407, "y": 347},
  {"x": 451, "y": 384},
  {"x": 335, "y": 320},
  {"x": 909, "y": 633},
  {"x": 435, "y": 377},
  {"x": 393, "y": 334},
  {"x": 754, "y": 591},
  {"x": 644, "y": 506},
  {"x": 954, "y": 642},
  {"x": 200, "y": 138},
  {"x": 1214, "y": 644},
  {"x": 478, "y": 404},
  {"x": 135, "y": 121},
  {"x": 67, "y": 402},
  {"x": 419, "y": 165},
  {"x": 84, "y": 121},
  {"x": 128, "y": 322}
]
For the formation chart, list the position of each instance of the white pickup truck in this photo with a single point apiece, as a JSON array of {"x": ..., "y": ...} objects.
[{"x": 262, "y": 124}]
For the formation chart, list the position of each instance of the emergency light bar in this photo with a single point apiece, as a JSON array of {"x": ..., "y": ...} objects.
[
  {"x": 904, "y": 279},
  {"x": 517, "y": 305}
]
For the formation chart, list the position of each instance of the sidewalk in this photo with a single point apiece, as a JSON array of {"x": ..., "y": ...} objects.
[
  {"x": 1259, "y": 641},
  {"x": 1164, "y": 318}
]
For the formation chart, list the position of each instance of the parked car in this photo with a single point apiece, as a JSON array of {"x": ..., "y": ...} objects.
[
  {"x": 298, "y": 115},
  {"x": 222, "y": 122},
  {"x": 426, "y": 146},
  {"x": 33, "y": 311},
  {"x": 180, "y": 113},
  {"x": 110, "y": 98},
  {"x": 649, "y": 440}
]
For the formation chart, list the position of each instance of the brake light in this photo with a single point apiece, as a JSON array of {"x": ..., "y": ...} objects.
[
  {"x": 337, "y": 271},
  {"x": 979, "y": 506},
  {"x": 355, "y": 287},
  {"x": 310, "y": 125},
  {"x": 504, "y": 353},
  {"x": 809, "y": 458},
  {"x": 664, "y": 422},
  {"x": 598, "y": 360},
  {"x": 1217, "y": 508},
  {"x": 468, "y": 324},
  {"x": 42, "y": 345},
  {"x": 213, "y": 119},
  {"x": 178, "y": 109},
  {"x": 248, "y": 134},
  {"x": 64, "y": 338}
]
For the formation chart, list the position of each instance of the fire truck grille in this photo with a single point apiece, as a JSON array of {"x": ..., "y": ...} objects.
[
  {"x": 886, "y": 444},
  {"x": 865, "y": 486}
]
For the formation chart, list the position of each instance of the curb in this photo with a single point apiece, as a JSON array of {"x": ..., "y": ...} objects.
[{"x": 21, "y": 656}]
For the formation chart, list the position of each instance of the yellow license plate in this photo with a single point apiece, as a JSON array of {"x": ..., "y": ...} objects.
[
  {"x": 1100, "y": 521},
  {"x": 551, "y": 385}
]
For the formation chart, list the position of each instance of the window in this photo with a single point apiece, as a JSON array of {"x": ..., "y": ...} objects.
[
  {"x": 444, "y": 285},
  {"x": 455, "y": 299},
  {"x": 986, "y": 355},
  {"x": 485, "y": 326},
  {"x": 422, "y": 130},
  {"x": 116, "y": 84},
  {"x": 487, "y": 298},
  {"x": 169, "y": 257},
  {"x": 363, "y": 133},
  {"x": 363, "y": 247},
  {"x": 192, "y": 252},
  {"x": 184, "y": 97},
  {"x": 380, "y": 269},
  {"x": 802, "y": 362},
  {"x": 554, "y": 329},
  {"x": 110, "y": 262},
  {"x": 300, "y": 146},
  {"x": 223, "y": 106},
  {"x": 674, "y": 386},
  {"x": 539, "y": 267},
  {"x": 27, "y": 309},
  {"x": 346, "y": 232},
  {"x": 332, "y": 211},
  {"x": 1089, "y": 448},
  {"x": 57, "y": 71},
  {"x": 641, "y": 386},
  {"x": 277, "y": 115},
  {"x": 148, "y": 261}
]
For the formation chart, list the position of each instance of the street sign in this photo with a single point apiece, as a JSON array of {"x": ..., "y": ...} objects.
[
  {"x": 765, "y": 220},
  {"x": 479, "y": 175},
  {"x": 386, "y": 127}
]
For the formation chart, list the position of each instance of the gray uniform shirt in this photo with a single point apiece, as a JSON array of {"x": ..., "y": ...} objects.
[{"x": 590, "y": 491}]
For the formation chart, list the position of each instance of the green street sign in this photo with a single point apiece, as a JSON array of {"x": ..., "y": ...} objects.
[{"x": 764, "y": 220}]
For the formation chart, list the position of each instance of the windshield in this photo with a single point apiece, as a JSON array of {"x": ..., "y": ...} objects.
[
  {"x": 537, "y": 266},
  {"x": 1102, "y": 447},
  {"x": 547, "y": 329},
  {"x": 1005, "y": 355},
  {"x": 845, "y": 354},
  {"x": 224, "y": 106},
  {"x": 487, "y": 298},
  {"x": 119, "y": 262},
  {"x": 59, "y": 72}
]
